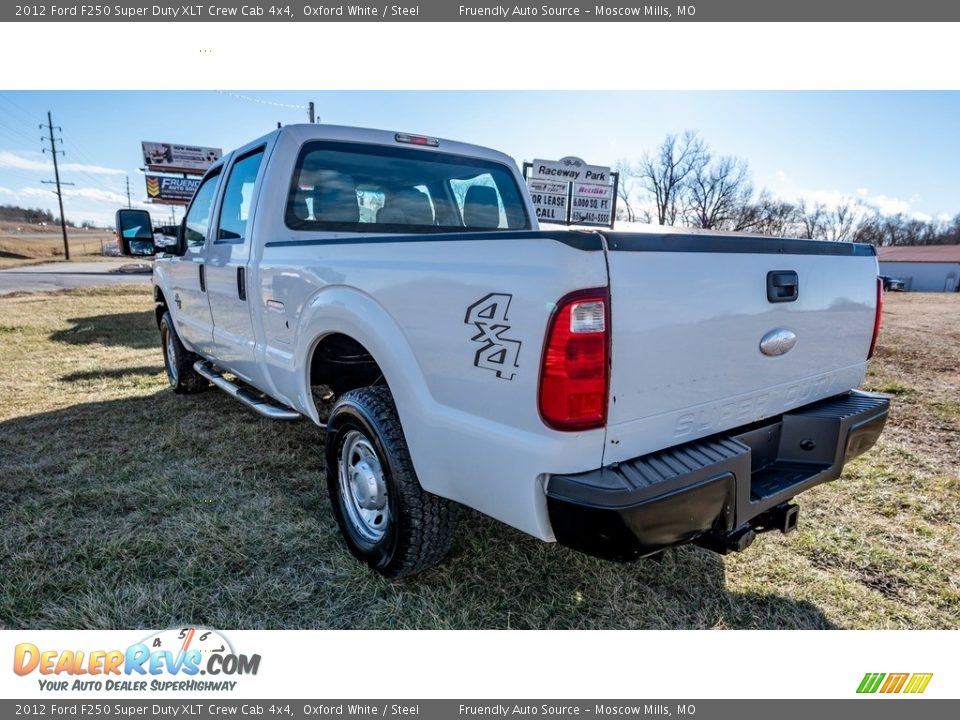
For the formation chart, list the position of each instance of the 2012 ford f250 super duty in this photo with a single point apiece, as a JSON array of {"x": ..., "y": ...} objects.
[{"x": 620, "y": 393}]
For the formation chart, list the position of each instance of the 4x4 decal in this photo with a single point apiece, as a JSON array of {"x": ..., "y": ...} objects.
[{"x": 497, "y": 353}]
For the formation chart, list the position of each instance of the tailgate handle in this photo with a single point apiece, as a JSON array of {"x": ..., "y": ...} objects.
[{"x": 782, "y": 286}]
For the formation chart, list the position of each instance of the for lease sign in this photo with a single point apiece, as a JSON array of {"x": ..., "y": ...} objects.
[
  {"x": 571, "y": 191},
  {"x": 550, "y": 199}
]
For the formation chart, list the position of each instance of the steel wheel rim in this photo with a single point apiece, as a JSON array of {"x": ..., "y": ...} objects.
[
  {"x": 170, "y": 355},
  {"x": 363, "y": 488}
]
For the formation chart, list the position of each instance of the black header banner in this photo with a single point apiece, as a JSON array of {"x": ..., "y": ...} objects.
[{"x": 482, "y": 11}]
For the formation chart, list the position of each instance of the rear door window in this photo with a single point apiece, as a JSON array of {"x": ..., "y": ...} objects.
[
  {"x": 372, "y": 188},
  {"x": 237, "y": 197}
]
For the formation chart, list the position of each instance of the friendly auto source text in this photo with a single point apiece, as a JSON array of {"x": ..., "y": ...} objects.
[{"x": 552, "y": 11}]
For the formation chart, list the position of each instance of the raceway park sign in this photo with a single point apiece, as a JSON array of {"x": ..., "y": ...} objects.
[
  {"x": 171, "y": 190},
  {"x": 168, "y": 157},
  {"x": 571, "y": 192}
]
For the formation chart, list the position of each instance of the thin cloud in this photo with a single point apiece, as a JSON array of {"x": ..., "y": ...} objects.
[
  {"x": 885, "y": 205},
  {"x": 19, "y": 162},
  {"x": 90, "y": 194}
]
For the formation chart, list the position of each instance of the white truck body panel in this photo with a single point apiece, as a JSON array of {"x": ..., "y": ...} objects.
[{"x": 685, "y": 331}]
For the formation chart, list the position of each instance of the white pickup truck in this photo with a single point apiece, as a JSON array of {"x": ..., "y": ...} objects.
[{"x": 620, "y": 393}]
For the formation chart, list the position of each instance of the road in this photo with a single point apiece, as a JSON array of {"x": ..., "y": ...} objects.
[{"x": 61, "y": 275}]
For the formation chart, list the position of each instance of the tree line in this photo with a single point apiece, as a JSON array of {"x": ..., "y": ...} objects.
[
  {"x": 35, "y": 216},
  {"x": 682, "y": 182},
  {"x": 14, "y": 213}
]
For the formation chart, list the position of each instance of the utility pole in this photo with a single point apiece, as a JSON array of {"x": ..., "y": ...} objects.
[
  {"x": 129, "y": 204},
  {"x": 56, "y": 174},
  {"x": 310, "y": 112}
]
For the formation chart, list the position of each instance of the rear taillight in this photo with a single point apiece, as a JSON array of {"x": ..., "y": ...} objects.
[
  {"x": 575, "y": 372},
  {"x": 878, "y": 319}
]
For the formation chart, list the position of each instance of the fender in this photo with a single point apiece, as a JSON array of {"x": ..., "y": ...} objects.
[{"x": 346, "y": 310}]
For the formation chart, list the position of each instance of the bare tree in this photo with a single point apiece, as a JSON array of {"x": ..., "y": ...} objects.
[
  {"x": 626, "y": 183},
  {"x": 767, "y": 216},
  {"x": 841, "y": 221},
  {"x": 681, "y": 183},
  {"x": 665, "y": 172},
  {"x": 717, "y": 191},
  {"x": 812, "y": 221}
]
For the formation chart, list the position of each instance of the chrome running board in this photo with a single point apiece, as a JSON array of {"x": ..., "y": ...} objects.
[{"x": 255, "y": 403}]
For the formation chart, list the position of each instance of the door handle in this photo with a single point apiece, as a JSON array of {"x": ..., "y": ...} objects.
[
  {"x": 203, "y": 280},
  {"x": 782, "y": 286},
  {"x": 241, "y": 284}
]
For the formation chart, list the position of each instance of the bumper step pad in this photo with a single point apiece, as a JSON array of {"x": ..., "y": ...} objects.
[{"x": 714, "y": 489}]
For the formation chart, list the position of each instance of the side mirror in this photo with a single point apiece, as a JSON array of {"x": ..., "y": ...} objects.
[
  {"x": 165, "y": 238},
  {"x": 182, "y": 237},
  {"x": 135, "y": 233}
]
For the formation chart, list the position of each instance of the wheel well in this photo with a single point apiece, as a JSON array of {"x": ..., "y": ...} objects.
[
  {"x": 161, "y": 301},
  {"x": 342, "y": 364}
]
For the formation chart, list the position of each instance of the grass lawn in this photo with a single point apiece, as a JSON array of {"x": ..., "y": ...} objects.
[
  {"x": 125, "y": 506},
  {"x": 31, "y": 245}
]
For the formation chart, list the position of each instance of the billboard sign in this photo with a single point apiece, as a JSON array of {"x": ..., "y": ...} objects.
[
  {"x": 169, "y": 157},
  {"x": 571, "y": 192},
  {"x": 171, "y": 190}
]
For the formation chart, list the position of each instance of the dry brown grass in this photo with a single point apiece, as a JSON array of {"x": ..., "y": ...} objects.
[
  {"x": 22, "y": 244},
  {"x": 126, "y": 506}
]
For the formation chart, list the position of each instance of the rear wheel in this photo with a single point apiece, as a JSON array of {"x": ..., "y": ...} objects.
[
  {"x": 179, "y": 361},
  {"x": 388, "y": 520}
]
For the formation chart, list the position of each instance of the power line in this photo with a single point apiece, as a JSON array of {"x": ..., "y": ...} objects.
[
  {"x": 25, "y": 115},
  {"x": 23, "y": 136},
  {"x": 90, "y": 177},
  {"x": 56, "y": 173},
  {"x": 262, "y": 102}
]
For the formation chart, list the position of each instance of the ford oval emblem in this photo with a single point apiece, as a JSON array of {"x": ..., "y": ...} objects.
[{"x": 778, "y": 341}]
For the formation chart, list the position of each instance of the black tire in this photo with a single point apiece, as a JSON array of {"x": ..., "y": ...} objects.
[
  {"x": 178, "y": 361},
  {"x": 418, "y": 526}
]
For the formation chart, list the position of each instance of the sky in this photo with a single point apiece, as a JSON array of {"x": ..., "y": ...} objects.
[{"x": 899, "y": 151}]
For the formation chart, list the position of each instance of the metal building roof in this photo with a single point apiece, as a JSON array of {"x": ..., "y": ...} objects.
[{"x": 920, "y": 253}]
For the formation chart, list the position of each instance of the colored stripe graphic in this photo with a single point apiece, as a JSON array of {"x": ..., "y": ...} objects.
[
  {"x": 918, "y": 683},
  {"x": 894, "y": 683},
  {"x": 870, "y": 682}
]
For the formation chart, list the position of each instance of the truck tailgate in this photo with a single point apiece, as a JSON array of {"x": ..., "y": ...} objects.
[{"x": 689, "y": 314}]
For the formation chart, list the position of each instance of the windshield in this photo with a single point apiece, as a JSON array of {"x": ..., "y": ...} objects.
[{"x": 369, "y": 188}]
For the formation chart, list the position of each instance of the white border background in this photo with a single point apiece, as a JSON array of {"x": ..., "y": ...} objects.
[
  {"x": 628, "y": 56},
  {"x": 491, "y": 56},
  {"x": 652, "y": 664}
]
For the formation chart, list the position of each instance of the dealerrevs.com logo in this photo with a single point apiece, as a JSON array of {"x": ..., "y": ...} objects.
[{"x": 168, "y": 660}]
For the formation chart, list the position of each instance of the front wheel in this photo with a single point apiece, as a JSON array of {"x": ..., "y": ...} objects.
[
  {"x": 388, "y": 520},
  {"x": 178, "y": 361}
]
